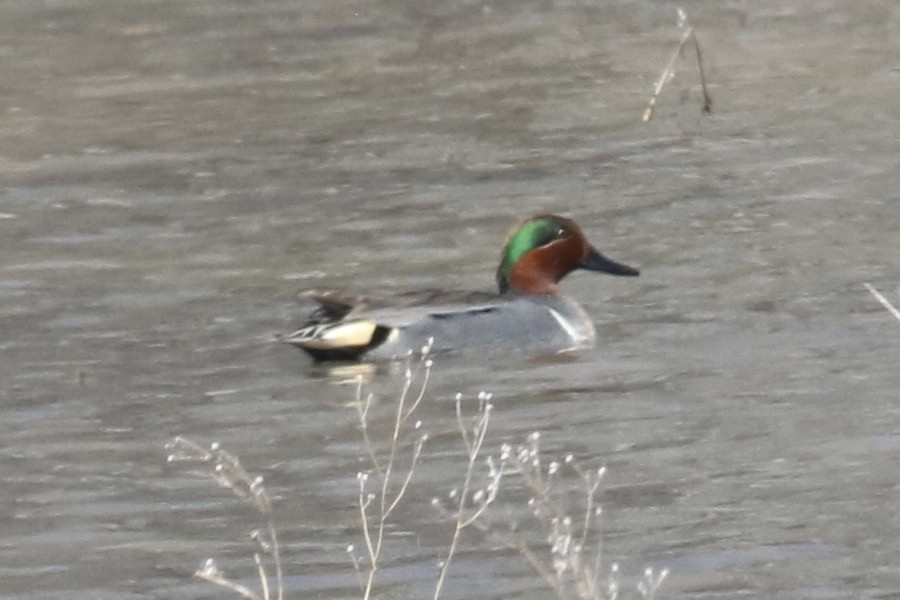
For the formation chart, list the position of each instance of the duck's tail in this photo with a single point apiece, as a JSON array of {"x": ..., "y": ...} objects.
[{"x": 344, "y": 340}]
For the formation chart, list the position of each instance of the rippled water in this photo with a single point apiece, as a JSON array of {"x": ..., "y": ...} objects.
[{"x": 171, "y": 173}]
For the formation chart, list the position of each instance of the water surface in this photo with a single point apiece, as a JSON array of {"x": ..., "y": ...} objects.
[{"x": 171, "y": 173}]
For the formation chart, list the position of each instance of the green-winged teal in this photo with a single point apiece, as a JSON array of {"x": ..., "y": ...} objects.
[{"x": 527, "y": 314}]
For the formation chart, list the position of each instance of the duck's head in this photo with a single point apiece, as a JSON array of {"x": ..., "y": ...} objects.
[{"x": 539, "y": 252}]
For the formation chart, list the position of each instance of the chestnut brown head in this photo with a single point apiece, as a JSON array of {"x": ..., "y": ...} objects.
[{"x": 539, "y": 252}]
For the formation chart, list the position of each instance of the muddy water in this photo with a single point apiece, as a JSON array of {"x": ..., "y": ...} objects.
[{"x": 171, "y": 173}]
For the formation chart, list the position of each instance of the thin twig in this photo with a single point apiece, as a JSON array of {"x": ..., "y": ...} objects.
[
  {"x": 276, "y": 558},
  {"x": 669, "y": 71},
  {"x": 364, "y": 502},
  {"x": 427, "y": 363},
  {"x": 363, "y": 410},
  {"x": 417, "y": 453},
  {"x": 351, "y": 550},
  {"x": 389, "y": 494},
  {"x": 707, "y": 99},
  {"x": 474, "y": 440},
  {"x": 884, "y": 301},
  {"x": 463, "y": 430},
  {"x": 226, "y": 470},
  {"x": 228, "y": 585},
  {"x": 263, "y": 576},
  {"x": 540, "y": 568}
]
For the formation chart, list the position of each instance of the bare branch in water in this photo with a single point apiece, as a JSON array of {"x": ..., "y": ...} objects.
[{"x": 669, "y": 72}]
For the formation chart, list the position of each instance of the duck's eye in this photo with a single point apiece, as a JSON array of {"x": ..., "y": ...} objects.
[{"x": 562, "y": 232}]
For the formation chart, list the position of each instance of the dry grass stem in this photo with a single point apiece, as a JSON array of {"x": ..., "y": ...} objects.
[
  {"x": 668, "y": 72},
  {"x": 884, "y": 301},
  {"x": 226, "y": 470}
]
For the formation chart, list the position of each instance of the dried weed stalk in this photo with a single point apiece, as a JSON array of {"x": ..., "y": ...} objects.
[
  {"x": 570, "y": 559},
  {"x": 572, "y": 564},
  {"x": 226, "y": 470},
  {"x": 470, "y": 502},
  {"x": 376, "y": 507}
]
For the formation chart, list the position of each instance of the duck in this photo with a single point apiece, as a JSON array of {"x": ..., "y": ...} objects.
[{"x": 527, "y": 313}]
